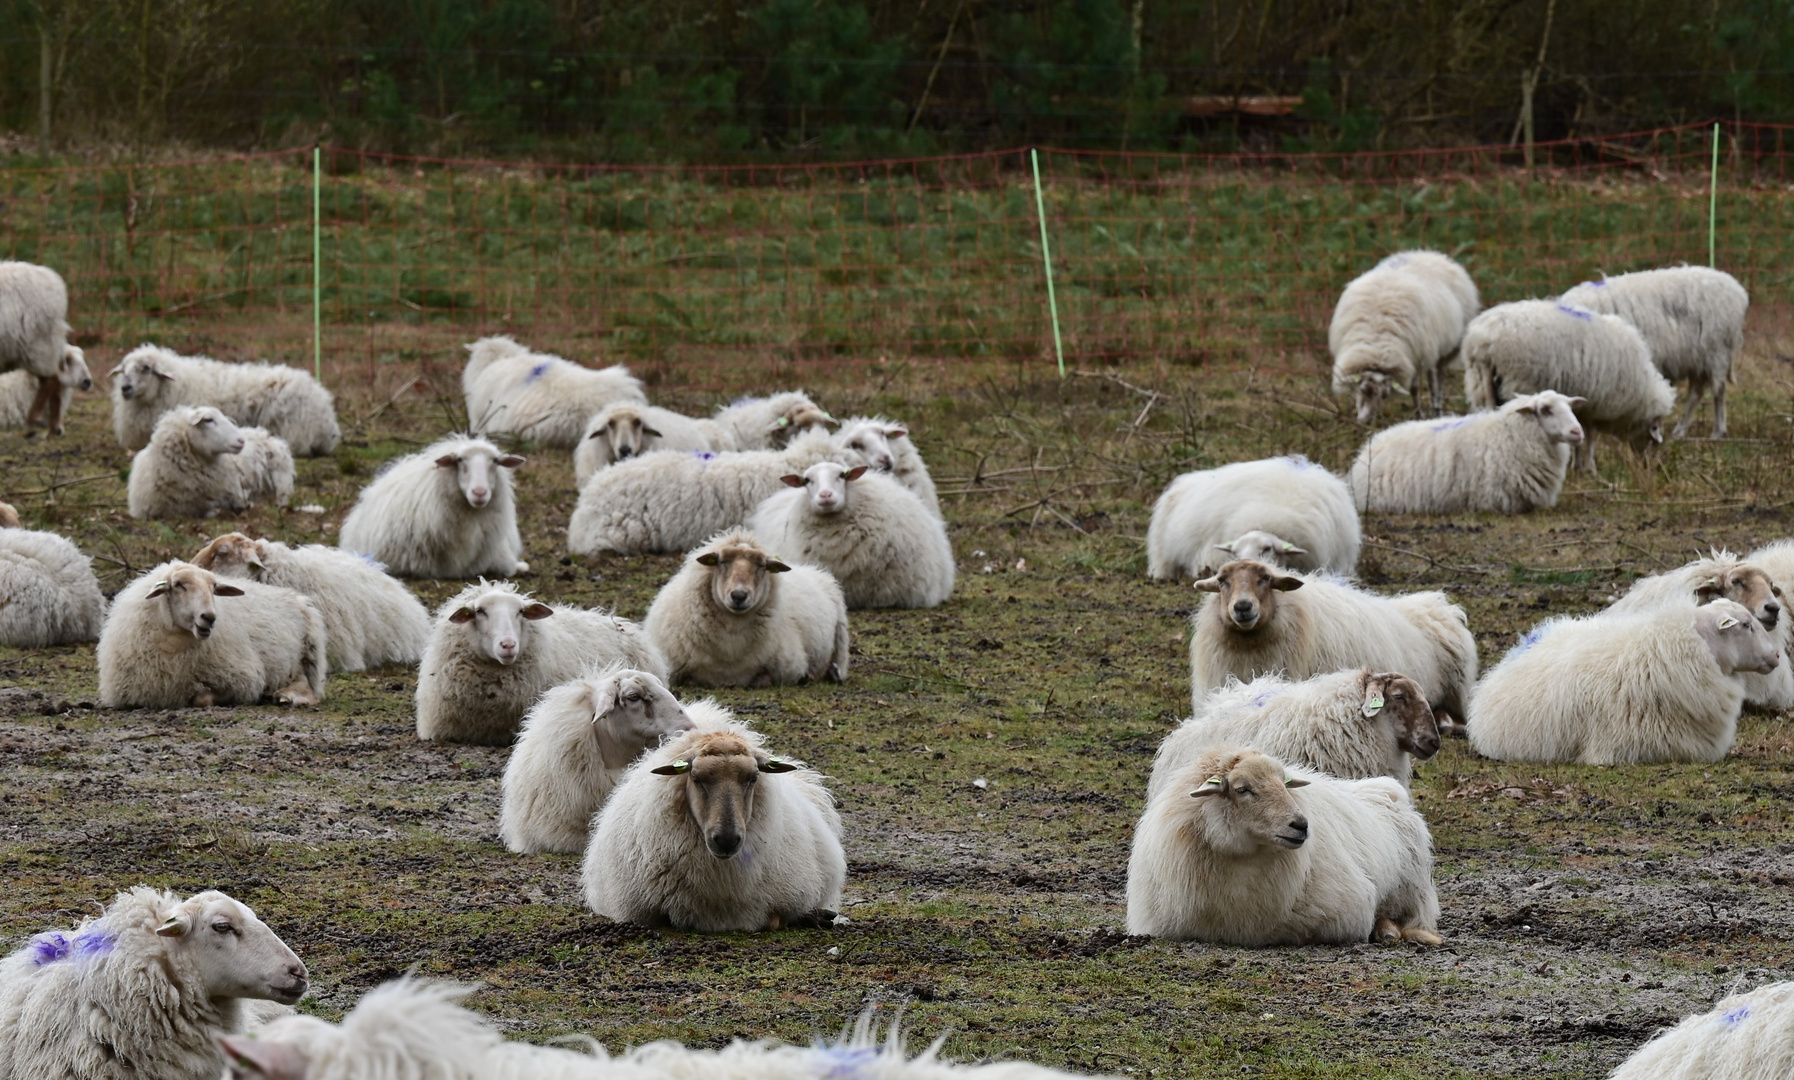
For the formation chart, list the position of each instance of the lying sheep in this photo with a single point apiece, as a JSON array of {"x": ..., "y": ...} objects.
[
  {"x": 1237, "y": 849},
  {"x": 48, "y": 594},
  {"x": 165, "y": 645},
  {"x": 885, "y": 445},
  {"x": 34, "y": 335},
  {"x": 491, "y": 655},
  {"x": 694, "y": 838},
  {"x": 139, "y": 991},
  {"x": 445, "y": 512},
  {"x": 1349, "y": 724},
  {"x": 287, "y": 401},
  {"x": 369, "y": 618},
  {"x": 1398, "y": 325},
  {"x": 768, "y": 423},
  {"x": 1508, "y": 461},
  {"x": 1744, "y": 1037},
  {"x": 736, "y": 616},
  {"x": 1534, "y": 345},
  {"x": 24, "y": 405},
  {"x": 1304, "y": 510},
  {"x": 513, "y": 391},
  {"x": 1262, "y": 621},
  {"x": 1658, "y": 685},
  {"x": 873, "y": 534},
  {"x": 630, "y": 429},
  {"x": 199, "y": 462},
  {"x": 1692, "y": 317}
]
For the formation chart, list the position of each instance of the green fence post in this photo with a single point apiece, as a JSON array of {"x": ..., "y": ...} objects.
[
  {"x": 1046, "y": 257},
  {"x": 317, "y": 266},
  {"x": 1713, "y": 203}
]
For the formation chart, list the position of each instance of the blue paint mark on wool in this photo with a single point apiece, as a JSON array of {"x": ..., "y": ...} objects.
[
  {"x": 56, "y": 946},
  {"x": 537, "y": 372},
  {"x": 1448, "y": 424},
  {"x": 1298, "y": 461},
  {"x": 1575, "y": 312},
  {"x": 845, "y": 1062},
  {"x": 1400, "y": 258},
  {"x": 1737, "y": 1016},
  {"x": 1262, "y": 698},
  {"x": 1529, "y": 639},
  {"x": 703, "y": 455}
]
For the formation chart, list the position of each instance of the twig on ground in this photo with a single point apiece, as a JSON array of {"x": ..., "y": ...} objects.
[
  {"x": 1428, "y": 558},
  {"x": 52, "y": 488}
]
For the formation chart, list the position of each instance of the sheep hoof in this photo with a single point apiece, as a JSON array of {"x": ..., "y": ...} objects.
[
  {"x": 1421, "y": 937},
  {"x": 775, "y": 921},
  {"x": 297, "y": 694},
  {"x": 760, "y": 681},
  {"x": 522, "y": 567},
  {"x": 820, "y": 919},
  {"x": 834, "y": 673},
  {"x": 1386, "y": 932},
  {"x": 202, "y": 700}
]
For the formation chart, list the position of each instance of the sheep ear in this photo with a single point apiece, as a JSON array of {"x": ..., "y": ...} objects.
[
  {"x": 511, "y": 461},
  {"x": 776, "y": 765},
  {"x": 604, "y": 699},
  {"x": 537, "y": 611},
  {"x": 260, "y": 1059},
  {"x": 792, "y": 480},
  {"x": 448, "y": 461},
  {"x": 646, "y": 430},
  {"x": 158, "y": 589},
  {"x": 175, "y": 925},
  {"x": 1726, "y": 622},
  {"x": 677, "y": 768},
  {"x": 854, "y": 473},
  {"x": 1577, "y": 402},
  {"x": 1709, "y": 590},
  {"x": 1400, "y": 389},
  {"x": 160, "y": 374},
  {"x": 597, "y": 433},
  {"x": 774, "y": 566},
  {"x": 1291, "y": 781},
  {"x": 829, "y": 419},
  {"x": 709, "y": 558},
  {"x": 462, "y": 615},
  {"x": 1214, "y": 785},
  {"x": 1286, "y": 583},
  {"x": 1227, "y": 547},
  {"x": 114, "y": 372},
  {"x": 1373, "y": 695},
  {"x": 1209, "y": 584},
  {"x": 896, "y": 432},
  {"x": 226, "y": 590}
]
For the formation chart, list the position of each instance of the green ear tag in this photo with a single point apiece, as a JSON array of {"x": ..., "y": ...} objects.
[{"x": 1373, "y": 706}]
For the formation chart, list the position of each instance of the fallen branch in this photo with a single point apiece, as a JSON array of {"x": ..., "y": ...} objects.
[
  {"x": 1428, "y": 558},
  {"x": 59, "y": 486}
]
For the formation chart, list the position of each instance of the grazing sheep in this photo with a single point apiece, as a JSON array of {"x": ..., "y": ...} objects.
[
  {"x": 873, "y": 534},
  {"x": 1239, "y": 850},
  {"x": 1306, "y": 510},
  {"x": 694, "y": 838},
  {"x": 137, "y": 993},
  {"x": 1657, "y": 685},
  {"x": 446, "y": 512},
  {"x": 1349, "y": 724},
  {"x": 199, "y": 462},
  {"x": 165, "y": 645},
  {"x": 1692, "y": 317},
  {"x": 1744, "y": 1037},
  {"x": 769, "y": 423},
  {"x": 1262, "y": 621},
  {"x": 491, "y": 655},
  {"x": 48, "y": 594},
  {"x": 34, "y": 335},
  {"x": 369, "y": 618},
  {"x": 1507, "y": 461},
  {"x": 629, "y": 429},
  {"x": 1534, "y": 345},
  {"x": 885, "y": 445},
  {"x": 23, "y": 405},
  {"x": 736, "y": 616},
  {"x": 513, "y": 391},
  {"x": 150, "y": 380},
  {"x": 1398, "y": 325}
]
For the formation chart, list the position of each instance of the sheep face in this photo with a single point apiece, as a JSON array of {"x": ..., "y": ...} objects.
[
  {"x": 71, "y": 370},
  {"x": 214, "y": 433},
  {"x": 625, "y": 432},
  {"x": 827, "y": 485},
  {"x": 720, "y": 774},
  {"x": 498, "y": 622},
  {"x": 1748, "y": 585},
  {"x": 801, "y": 416},
  {"x": 738, "y": 576},
  {"x": 474, "y": 471},
  {"x": 140, "y": 376},
  {"x": 9, "y": 518},
  {"x": 235, "y": 953},
  {"x": 1555, "y": 413},
  {"x": 1737, "y": 641},
  {"x": 1371, "y": 390},
  {"x": 233, "y": 555},
  {"x": 631, "y": 712},
  {"x": 189, "y": 607},
  {"x": 1248, "y": 592},
  {"x": 872, "y": 442},
  {"x": 1396, "y": 700},
  {"x": 1261, "y": 546},
  {"x": 1241, "y": 803}
]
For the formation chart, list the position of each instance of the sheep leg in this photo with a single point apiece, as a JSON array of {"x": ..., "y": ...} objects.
[
  {"x": 1386, "y": 932},
  {"x": 837, "y": 668},
  {"x": 1421, "y": 937},
  {"x": 1719, "y": 409},
  {"x": 775, "y": 921},
  {"x": 300, "y": 693},
  {"x": 47, "y": 404},
  {"x": 1696, "y": 387},
  {"x": 203, "y": 699},
  {"x": 1436, "y": 386},
  {"x": 760, "y": 681},
  {"x": 1585, "y": 454}
]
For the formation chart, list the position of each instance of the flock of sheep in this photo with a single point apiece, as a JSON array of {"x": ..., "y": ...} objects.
[{"x": 1277, "y": 814}]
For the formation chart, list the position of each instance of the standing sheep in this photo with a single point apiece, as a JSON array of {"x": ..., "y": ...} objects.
[
  {"x": 48, "y": 594},
  {"x": 873, "y": 534},
  {"x": 515, "y": 392},
  {"x": 150, "y": 380},
  {"x": 446, "y": 512},
  {"x": 885, "y": 445},
  {"x": 1398, "y": 325},
  {"x": 1692, "y": 317},
  {"x": 1744, "y": 1037},
  {"x": 22, "y": 405},
  {"x": 199, "y": 463},
  {"x": 1508, "y": 461},
  {"x": 736, "y": 616},
  {"x": 34, "y": 334},
  {"x": 1306, "y": 510},
  {"x": 491, "y": 655},
  {"x": 629, "y": 429},
  {"x": 1239, "y": 850}
]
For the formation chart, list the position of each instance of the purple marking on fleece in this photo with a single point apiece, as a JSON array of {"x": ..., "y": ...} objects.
[
  {"x": 703, "y": 455},
  {"x": 1447, "y": 425},
  {"x": 845, "y": 1062},
  {"x": 537, "y": 372},
  {"x": 1602, "y": 284},
  {"x": 56, "y": 946},
  {"x": 1575, "y": 312},
  {"x": 1529, "y": 639},
  {"x": 94, "y": 943},
  {"x": 1390, "y": 262},
  {"x": 1737, "y": 1016},
  {"x": 49, "y": 948},
  {"x": 1297, "y": 461},
  {"x": 1262, "y": 697}
]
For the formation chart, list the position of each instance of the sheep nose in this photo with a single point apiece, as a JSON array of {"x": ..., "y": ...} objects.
[
  {"x": 208, "y": 618},
  {"x": 1300, "y": 825},
  {"x": 739, "y": 597},
  {"x": 297, "y": 970},
  {"x": 1242, "y": 608},
  {"x": 1771, "y": 612},
  {"x": 624, "y": 452},
  {"x": 725, "y": 843},
  {"x": 479, "y": 493}
]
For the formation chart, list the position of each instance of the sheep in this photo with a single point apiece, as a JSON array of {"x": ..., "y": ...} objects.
[
  {"x": 869, "y": 531},
  {"x": 1652, "y": 686},
  {"x": 445, "y": 512},
  {"x": 1534, "y": 345},
  {"x": 768, "y": 423},
  {"x": 885, "y": 445},
  {"x": 1302, "y": 513},
  {"x": 1397, "y": 325},
  {"x": 369, "y": 618},
  {"x": 22, "y": 405},
  {"x": 512, "y": 391},
  {"x": 736, "y": 616},
  {"x": 150, "y": 380},
  {"x": 199, "y": 463},
  {"x": 34, "y": 332},
  {"x": 48, "y": 594},
  {"x": 1508, "y": 461},
  {"x": 1744, "y": 1037},
  {"x": 165, "y": 645},
  {"x": 490, "y": 656},
  {"x": 575, "y": 743},
  {"x": 691, "y": 838},
  {"x": 1349, "y": 724},
  {"x": 1239, "y": 849},
  {"x": 629, "y": 429},
  {"x": 137, "y": 992},
  {"x": 1692, "y": 317},
  {"x": 1261, "y": 621}
]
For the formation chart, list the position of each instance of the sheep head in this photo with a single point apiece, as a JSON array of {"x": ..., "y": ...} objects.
[
  {"x": 1394, "y": 700},
  {"x": 1370, "y": 390},
  {"x": 233, "y": 555},
  {"x": 631, "y": 712},
  {"x": 801, "y": 415},
  {"x": 140, "y": 375},
  {"x": 1737, "y": 641},
  {"x": 1743, "y": 583},
  {"x": 1555, "y": 413},
  {"x": 71, "y": 370},
  {"x": 189, "y": 607},
  {"x": 474, "y": 464},
  {"x": 1264, "y": 547},
  {"x": 738, "y": 574},
  {"x": 9, "y": 518},
  {"x": 214, "y": 433},
  {"x": 625, "y": 431},
  {"x": 498, "y": 623},
  {"x": 720, "y": 771},
  {"x": 827, "y": 485},
  {"x": 1241, "y": 802},
  {"x": 234, "y": 953},
  {"x": 871, "y": 441},
  {"x": 1248, "y": 592}
]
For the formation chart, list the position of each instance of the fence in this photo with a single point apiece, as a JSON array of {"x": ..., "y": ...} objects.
[{"x": 708, "y": 276}]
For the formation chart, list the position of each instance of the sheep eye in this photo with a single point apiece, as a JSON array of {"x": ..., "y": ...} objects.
[
  {"x": 753, "y": 778},
  {"x": 1242, "y": 789},
  {"x": 205, "y": 420},
  {"x": 223, "y": 927}
]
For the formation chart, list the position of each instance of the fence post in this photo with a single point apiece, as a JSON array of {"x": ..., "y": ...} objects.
[
  {"x": 1046, "y": 257},
  {"x": 1526, "y": 81},
  {"x": 1713, "y": 203},
  {"x": 317, "y": 265}
]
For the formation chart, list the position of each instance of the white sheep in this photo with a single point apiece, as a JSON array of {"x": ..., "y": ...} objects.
[
  {"x": 1658, "y": 685},
  {"x": 630, "y": 429},
  {"x": 1398, "y": 325},
  {"x": 369, "y": 618},
  {"x": 1304, "y": 510},
  {"x": 1533, "y": 345},
  {"x": 1776, "y": 560},
  {"x": 199, "y": 462},
  {"x": 1692, "y": 317},
  {"x": 765, "y": 423},
  {"x": 48, "y": 594},
  {"x": 1508, "y": 461},
  {"x": 1744, "y": 1037},
  {"x": 885, "y": 445},
  {"x": 150, "y": 380},
  {"x": 491, "y": 655},
  {"x": 1262, "y": 621},
  {"x": 34, "y": 332},
  {"x": 710, "y": 832},
  {"x": 873, "y": 534},
  {"x": 165, "y": 643},
  {"x": 576, "y": 742},
  {"x": 23, "y": 404},
  {"x": 1349, "y": 724},
  {"x": 515, "y": 392},
  {"x": 1238, "y": 849},
  {"x": 139, "y": 991},
  {"x": 734, "y": 615},
  {"x": 448, "y": 511}
]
